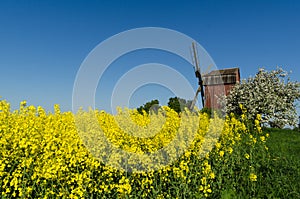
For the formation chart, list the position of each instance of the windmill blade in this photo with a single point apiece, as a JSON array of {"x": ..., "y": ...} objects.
[
  {"x": 207, "y": 70},
  {"x": 198, "y": 75},
  {"x": 195, "y": 98},
  {"x": 195, "y": 60},
  {"x": 192, "y": 58}
]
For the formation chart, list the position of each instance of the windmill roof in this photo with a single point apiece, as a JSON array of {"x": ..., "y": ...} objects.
[
  {"x": 219, "y": 77},
  {"x": 228, "y": 71}
]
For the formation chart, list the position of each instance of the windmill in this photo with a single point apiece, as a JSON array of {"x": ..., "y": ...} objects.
[{"x": 199, "y": 76}]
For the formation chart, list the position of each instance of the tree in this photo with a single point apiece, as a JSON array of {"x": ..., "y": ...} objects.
[
  {"x": 152, "y": 105},
  {"x": 270, "y": 94},
  {"x": 178, "y": 104}
]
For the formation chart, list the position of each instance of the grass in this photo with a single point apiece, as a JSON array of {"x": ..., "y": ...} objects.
[
  {"x": 283, "y": 170},
  {"x": 279, "y": 174}
]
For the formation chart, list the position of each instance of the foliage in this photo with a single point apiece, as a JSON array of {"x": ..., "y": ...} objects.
[
  {"x": 152, "y": 105},
  {"x": 179, "y": 104},
  {"x": 271, "y": 94},
  {"x": 175, "y": 103},
  {"x": 45, "y": 155}
]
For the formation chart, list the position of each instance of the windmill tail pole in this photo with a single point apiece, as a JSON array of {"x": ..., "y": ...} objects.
[
  {"x": 299, "y": 124},
  {"x": 202, "y": 101},
  {"x": 202, "y": 92}
]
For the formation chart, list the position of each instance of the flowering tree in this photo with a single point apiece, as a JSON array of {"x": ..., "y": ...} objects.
[{"x": 271, "y": 94}]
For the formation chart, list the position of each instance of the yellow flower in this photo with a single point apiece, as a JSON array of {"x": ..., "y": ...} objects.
[
  {"x": 61, "y": 146},
  {"x": 258, "y": 116},
  {"x": 221, "y": 153},
  {"x": 23, "y": 103},
  {"x": 230, "y": 150},
  {"x": 241, "y": 106},
  {"x": 262, "y": 138},
  {"x": 212, "y": 175},
  {"x": 247, "y": 156},
  {"x": 203, "y": 180},
  {"x": 218, "y": 145},
  {"x": 201, "y": 188},
  {"x": 257, "y": 123},
  {"x": 253, "y": 177}
]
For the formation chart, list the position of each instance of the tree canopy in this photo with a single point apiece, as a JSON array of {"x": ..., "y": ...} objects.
[
  {"x": 179, "y": 104},
  {"x": 152, "y": 105},
  {"x": 175, "y": 103}
]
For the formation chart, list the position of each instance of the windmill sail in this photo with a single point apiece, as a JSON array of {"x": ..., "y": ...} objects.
[{"x": 199, "y": 76}]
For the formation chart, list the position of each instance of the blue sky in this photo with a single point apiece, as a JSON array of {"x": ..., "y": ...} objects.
[{"x": 43, "y": 43}]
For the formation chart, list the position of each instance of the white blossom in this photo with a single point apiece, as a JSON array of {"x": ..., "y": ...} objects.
[{"x": 271, "y": 94}]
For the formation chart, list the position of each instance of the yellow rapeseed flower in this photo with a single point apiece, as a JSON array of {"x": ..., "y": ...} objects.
[{"x": 253, "y": 177}]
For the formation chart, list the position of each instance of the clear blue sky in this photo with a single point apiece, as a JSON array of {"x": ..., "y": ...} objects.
[{"x": 43, "y": 43}]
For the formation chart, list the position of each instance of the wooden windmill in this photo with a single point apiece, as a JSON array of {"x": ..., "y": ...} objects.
[{"x": 213, "y": 84}]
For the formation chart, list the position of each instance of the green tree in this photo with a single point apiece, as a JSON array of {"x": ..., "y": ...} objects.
[
  {"x": 152, "y": 105},
  {"x": 179, "y": 104}
]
